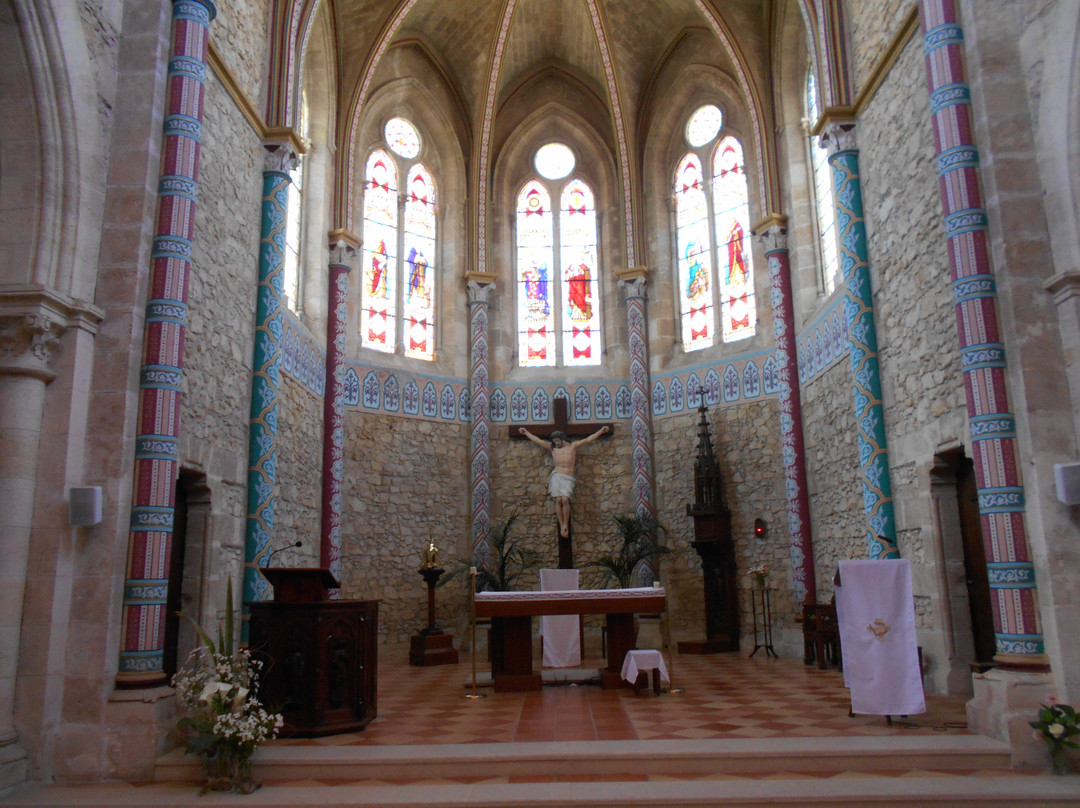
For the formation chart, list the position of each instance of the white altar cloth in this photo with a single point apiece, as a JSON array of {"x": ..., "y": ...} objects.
[
  {"x": 562, "y": 632},
  {"x": 876, "y": 615}
]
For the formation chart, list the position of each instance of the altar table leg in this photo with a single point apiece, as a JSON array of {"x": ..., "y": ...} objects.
[{"x": 511, "y": 655}]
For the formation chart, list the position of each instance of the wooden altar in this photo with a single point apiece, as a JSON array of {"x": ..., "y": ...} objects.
[
  {"x": 319, "y": 655},
  {"x": 511, "y": 616}
]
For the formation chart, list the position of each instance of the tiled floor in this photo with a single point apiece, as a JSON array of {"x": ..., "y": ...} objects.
[{"x": 713, "y": 696}]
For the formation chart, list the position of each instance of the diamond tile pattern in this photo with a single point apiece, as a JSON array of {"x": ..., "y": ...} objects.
[{"x": 722, "y": 696}]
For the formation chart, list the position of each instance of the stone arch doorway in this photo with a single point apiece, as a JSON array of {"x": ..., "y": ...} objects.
[{"x": 968, "y": 611}]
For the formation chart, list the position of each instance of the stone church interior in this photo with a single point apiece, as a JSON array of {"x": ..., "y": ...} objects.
[{"x": 287, "y": 285}]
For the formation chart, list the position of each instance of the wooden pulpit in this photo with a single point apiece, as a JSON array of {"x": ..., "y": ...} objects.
[{"x": 319, "y": 655}]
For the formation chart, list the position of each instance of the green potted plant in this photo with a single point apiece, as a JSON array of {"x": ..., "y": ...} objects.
[
  {"x": 508, "y": 561},
  {"x": 637, "y": 543}
]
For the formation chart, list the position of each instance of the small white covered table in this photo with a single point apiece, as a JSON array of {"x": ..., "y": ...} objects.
[{"x": 639, "y": 661}]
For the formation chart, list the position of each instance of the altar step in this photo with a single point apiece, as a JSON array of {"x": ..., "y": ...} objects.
[
  {"x": 882, "y": 771},
  {"x": 923, "y": 771}
]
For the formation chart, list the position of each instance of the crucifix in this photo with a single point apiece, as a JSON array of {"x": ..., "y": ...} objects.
[{"x": 562, "y": 438}]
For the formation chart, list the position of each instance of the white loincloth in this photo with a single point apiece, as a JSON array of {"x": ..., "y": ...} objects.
[{"x": 561, "y": 485}]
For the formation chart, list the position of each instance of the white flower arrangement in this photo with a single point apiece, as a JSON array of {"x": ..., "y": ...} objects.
[{"x": 221, "y": 718}]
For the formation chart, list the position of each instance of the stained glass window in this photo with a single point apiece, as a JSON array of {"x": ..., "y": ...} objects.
[
  {"x": 554, "y": 161},
  {"x": 558, "y": 275},
  {"x": 703, "y": 125},
  {"x": 823, "y": 193},
  {"x": 402, "y": 138},
  {"x": 577, "y": 251},
  {"x": 732, "y": 217},
  {"x": 378, "y": 294},
  {"x": 290, "y": 273},
  {"x": 419, "y": 307},
  {"x": 398, "y": 294},
  {"x": 695, "y": 255},
  {"x": 535, "y": 257},
  {"x": 712, "y": 236}
]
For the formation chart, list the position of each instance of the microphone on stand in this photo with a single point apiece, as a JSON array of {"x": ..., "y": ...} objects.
[{"x": 297, "y": 543}]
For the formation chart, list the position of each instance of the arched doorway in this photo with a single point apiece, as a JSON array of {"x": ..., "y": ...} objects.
[{"x": 967, "y": 610}]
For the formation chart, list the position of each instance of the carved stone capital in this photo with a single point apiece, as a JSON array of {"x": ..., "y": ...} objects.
[
  {"x": 771, "y": 232},
  {"x": 839, "y": 136},
  {"x": 479, "y": 292},
  {"x": 280, "y": 157},
  {"x": 344, "y": 245},
  {"x": 633, "y": 281},
  {"x": 26, "y": 345},
  {"x": 32, "y": 320}
]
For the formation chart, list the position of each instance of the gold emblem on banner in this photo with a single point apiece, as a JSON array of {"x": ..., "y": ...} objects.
[{"x": 879, "y": 628}]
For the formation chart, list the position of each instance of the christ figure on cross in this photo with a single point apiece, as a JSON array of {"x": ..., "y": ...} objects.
[{"x": 561, "y": 482}]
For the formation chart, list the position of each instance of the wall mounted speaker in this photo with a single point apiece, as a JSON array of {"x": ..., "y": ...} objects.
[
  {"x": 1067, "y": 477},
  {"x": 84, "y": 505}
]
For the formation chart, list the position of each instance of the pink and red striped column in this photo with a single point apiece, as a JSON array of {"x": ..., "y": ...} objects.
[
  {"x": 772, "y": 232},
  {"x": 156, "y": 445},
  {"x": 1017, "y": 627},
  {"x": 343, "y": 248}
]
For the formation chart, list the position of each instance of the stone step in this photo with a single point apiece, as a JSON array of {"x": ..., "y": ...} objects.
[{"x": 609, "y": 759}]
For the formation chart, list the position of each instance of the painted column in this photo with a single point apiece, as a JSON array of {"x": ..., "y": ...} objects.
[
  {"x": 772, "y": 233},
  {"x": 266, "y": 372},
  {"x": 343, "y": 248},
  {"x": 1017, "y": 628},
  {"x": 633, "y": 281},
  {"x": 147, "y": 574},
  {"x": 839, "y": 137},
  {"x": 480, "y": 287}
]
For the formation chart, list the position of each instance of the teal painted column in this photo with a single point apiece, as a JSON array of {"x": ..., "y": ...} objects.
[
  {"x": 266, "y": 370},
  {"x": 859, "y": 308}
]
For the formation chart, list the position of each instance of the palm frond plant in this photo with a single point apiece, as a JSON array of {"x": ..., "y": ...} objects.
[
  {"x": 508, "y": 561},
  {"x": 637, "y": 543}
]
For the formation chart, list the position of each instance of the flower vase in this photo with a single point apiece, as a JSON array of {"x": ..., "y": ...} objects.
[
  {"x": 228, "y": 769},
  {"x": 1059, "y": 760},
  {"x": 761, "y": 580}
]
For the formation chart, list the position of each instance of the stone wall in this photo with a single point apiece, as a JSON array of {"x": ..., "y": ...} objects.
[
  {"x": 832, "y": 470},
  {"x": 405, "y": 481},
  {"x": 872, "y": 25},
  {"x": 746, "y": 439},
  {"x": 221, "y": 291},
  {"x": 298, "y": 510},
  {"x": 240, "y": 32}
]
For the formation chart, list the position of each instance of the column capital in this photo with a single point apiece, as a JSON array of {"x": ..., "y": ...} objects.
[
  {"x": 633, "y": 280},
  {"x": 280, "y": 157},
  {"x": 32, "y": 320},
  {"x": 27, "y": 342},
  {"x": 771, "y": 232},
  {"x": 836, "y": 129},
  {"x": 479, "y": 286},
  {"x": 343, "y": 247}
]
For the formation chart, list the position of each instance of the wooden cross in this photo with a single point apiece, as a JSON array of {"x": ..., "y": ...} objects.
[{"x": 573, "y": 431}]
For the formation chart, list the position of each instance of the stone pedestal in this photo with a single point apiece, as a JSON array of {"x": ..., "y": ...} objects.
[
  {"x": 432, "y": 649},
  {"x": 1004, "y": 702}
]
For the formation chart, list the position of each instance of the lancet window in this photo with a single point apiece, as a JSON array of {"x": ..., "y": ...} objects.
[
  {"x": 824, "y": 203},
  {"x": 400, "y": 239},
  {"x": 558, "y": 299},
  {"x": 712, "y": 222}
]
